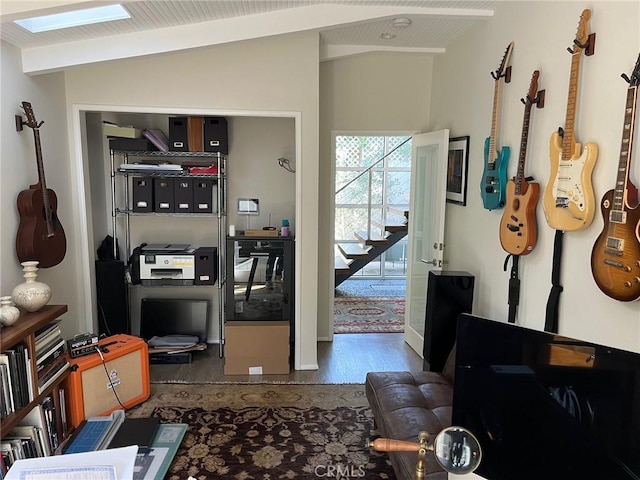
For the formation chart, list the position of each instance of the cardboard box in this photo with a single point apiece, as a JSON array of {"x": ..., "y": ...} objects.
[
  {"x": 256, "y": 348},
  {"x": 261, "y": 233}
]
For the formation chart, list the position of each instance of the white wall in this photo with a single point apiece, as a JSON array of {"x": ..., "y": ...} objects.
[
  {"x": 463, "y": 103},
  {"x": 278, "y": 74},
  {"x": 18, "y": 170},
  {"x": 370, "y": 93}
]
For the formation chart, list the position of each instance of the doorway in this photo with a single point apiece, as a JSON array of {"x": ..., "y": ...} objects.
[{"x": 372, "y": 184}]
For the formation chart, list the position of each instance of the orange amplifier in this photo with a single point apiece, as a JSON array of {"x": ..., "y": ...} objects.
[{"x": 91, "y": 389}]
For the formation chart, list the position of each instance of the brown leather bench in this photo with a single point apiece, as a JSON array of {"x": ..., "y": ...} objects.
[{"x": 403, "y": 405}]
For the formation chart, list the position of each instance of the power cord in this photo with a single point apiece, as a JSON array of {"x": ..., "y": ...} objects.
[{"x": 113, "y": 387}]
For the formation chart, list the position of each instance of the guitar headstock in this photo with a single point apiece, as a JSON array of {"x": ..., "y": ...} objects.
[
  {"x": 504, "y": 63},
  {"x": 582, "y": 35},
  {"x": 634, "y": 81},
  {"x": 533, "y": 87},
  {"x": 31, "y": 118}
]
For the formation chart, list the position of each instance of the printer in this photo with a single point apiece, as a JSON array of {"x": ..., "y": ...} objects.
[{"x": 167, "y": 264}]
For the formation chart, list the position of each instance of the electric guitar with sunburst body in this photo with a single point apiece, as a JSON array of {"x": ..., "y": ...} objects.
[
  {"x": 615, "y": 258},
  {"x": 568, "y": 200},
  {"x": 518, "y": 227},
  {"x": 494, "y": 176}
]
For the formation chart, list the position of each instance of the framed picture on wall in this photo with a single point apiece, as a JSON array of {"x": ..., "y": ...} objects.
[{"x": 457, "y": 168}]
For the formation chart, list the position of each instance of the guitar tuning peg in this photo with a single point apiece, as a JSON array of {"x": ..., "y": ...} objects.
[{"x": 626, "y": 78}]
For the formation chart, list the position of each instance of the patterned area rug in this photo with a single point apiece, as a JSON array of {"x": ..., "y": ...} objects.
[
  {"x": 369, "y": 315},
  {"x": 268, "y": 432}
]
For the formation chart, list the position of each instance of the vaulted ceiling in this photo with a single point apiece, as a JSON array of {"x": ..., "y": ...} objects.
[{"x": 345, "y": 27}]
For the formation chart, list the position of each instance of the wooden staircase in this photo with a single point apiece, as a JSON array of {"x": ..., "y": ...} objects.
[{"x": 351, "y": 257}]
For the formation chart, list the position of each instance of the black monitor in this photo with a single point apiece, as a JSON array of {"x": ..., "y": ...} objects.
[
  {"x": 545, "y": 406},
  {"x": 166, "y": 316}
]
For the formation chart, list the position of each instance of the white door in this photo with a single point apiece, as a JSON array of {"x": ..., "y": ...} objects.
[{"x": 426, "y": 227}]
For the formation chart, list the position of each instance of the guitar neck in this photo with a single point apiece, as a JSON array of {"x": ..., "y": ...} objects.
[
  {"x": 493, "y": 149},
  {"x": 625, "y": 148},
  {"x": 523, "y": 148},
  {"x": 568, "y": 139},
  {"x": 42, "y": 182}
]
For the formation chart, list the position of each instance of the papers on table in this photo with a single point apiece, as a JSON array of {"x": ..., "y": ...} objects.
[{"x": 75, "y": 466}]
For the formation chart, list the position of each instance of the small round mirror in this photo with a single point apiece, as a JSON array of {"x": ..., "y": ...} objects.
[{"x": 457, "y": 450}]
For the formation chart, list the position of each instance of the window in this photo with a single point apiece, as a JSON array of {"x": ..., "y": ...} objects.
[{"x": 385, "y": 183}]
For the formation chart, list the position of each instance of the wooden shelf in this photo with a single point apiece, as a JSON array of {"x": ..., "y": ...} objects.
[{"x": 28, "y": 323}]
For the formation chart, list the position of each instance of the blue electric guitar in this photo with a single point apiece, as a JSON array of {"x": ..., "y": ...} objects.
[{"x": 494, "y": 177}]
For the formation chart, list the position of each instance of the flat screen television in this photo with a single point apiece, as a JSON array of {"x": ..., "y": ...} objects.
[
  {"x": 546, "y": 407},
  {"x": 167, "y": 316}
]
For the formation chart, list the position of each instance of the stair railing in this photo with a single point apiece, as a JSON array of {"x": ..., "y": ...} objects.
[{"x": 369, "y": 173}]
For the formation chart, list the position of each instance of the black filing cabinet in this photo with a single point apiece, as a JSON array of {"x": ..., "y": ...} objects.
[{"x": 250, "y": 295}]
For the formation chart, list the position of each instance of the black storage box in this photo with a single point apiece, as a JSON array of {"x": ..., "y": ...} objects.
[
  {"x": 163, "y": 195},
  {"x": 131, "y": 144},
  {"x": 204, "y": 197},
  {"x": 206, "y": 265},
  {"x": 183, "y": 195},
  {"x": 178, "y": 134},
  {"x": 142, "y": 194},
  {"x": 216, "y": 138}
]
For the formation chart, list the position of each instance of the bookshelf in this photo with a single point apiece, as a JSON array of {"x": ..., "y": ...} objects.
[{"x": 23, "y": 331}]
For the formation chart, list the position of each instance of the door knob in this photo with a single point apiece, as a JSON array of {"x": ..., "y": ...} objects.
[{"x": 433, "y": 262}]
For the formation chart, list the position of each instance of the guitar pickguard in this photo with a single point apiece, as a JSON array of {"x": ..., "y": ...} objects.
[{"x": 569, "y": 200}]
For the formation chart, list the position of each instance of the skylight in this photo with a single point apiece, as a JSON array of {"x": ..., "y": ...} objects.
[{"x": 74, "y": 19}]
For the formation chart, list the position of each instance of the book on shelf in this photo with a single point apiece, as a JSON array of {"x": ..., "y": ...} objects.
[
  {"x": 16, "y": 381},
  {"x": 36, "y": 418},
  {"x": 5, "y": 378},
  {"x": 50, "y": 416},
  {"x": 42, "y": 332},
  {"x": 47, "y": 358},
  {"x": 157, "y": 137},
  {"x": 27, "y": 431},
  {"x": 111, "y": 129},
  {"x": 51, "y": 373},
  {"x": 29, "y": 374},
  {"x": 44, "y": 343}
]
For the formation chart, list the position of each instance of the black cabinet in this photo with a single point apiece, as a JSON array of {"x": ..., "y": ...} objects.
[
  {"x": 448, "y": 295},
  {"x": 259, "y": 278}
]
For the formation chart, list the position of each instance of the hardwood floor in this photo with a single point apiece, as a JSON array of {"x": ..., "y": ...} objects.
[{"x": 345, "y": 360}]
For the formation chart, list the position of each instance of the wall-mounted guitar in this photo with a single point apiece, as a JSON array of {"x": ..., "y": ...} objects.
[
  {"x": 494, "y": 177},
  {"x": 518, "y": 228},
  {"x": 615, "y": 258},
  {"x": 568, "y": 199},
  {"x": 40, "y": 235}
]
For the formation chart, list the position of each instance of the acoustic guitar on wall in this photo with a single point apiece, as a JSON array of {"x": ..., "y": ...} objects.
[
  {"x": 494, "y": 175},
  {"x": 615, "y": 258},
  {"x": 518, "y": 227},
  {"x": 568, "y": 199},
  {"x": 40, "y": 234}
]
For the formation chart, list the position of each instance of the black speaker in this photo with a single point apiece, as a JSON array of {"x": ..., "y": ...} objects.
[
  {"x": 216, "y": 138},
  {"x": 111, "y": 290},
  {"x": 178, "y": 134},
  {"x": 448, "y": 295}
]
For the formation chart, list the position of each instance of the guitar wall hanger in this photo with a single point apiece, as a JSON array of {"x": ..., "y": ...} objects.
[
  {"x": 506, "y": 75},
  {"x": 589, "y": 47},
  {"x": 538, "y": 101}
]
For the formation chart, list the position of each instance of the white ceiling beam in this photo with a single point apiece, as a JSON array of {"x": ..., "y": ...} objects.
[
  {"x": 332, "y": 52},
  {"x": 50, "y": 58}
]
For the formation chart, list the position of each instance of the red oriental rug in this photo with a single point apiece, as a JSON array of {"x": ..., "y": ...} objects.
[{"x": 369, "y": 315}]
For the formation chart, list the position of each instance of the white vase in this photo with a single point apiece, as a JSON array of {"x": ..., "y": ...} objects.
[
  {"x": 9, "y": 313},
  {"x": 31, "y": 295}
]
